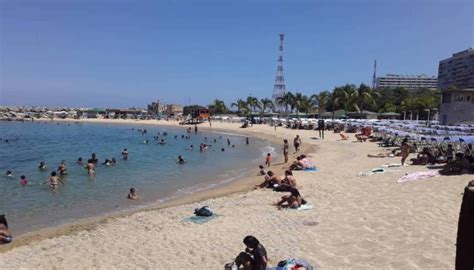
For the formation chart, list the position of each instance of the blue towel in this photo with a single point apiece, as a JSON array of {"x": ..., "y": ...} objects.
[
  {"x": 200, "y": 220},
  {"x": 314, "y": 169}
]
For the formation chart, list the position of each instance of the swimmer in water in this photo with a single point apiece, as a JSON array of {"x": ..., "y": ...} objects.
[
  {"x": 145, "y": 141},
  {"x": 233, "y": 146},
  {"x": 9, "y": 174},
  {"x": 176, "y": 136},
  {"x": 191, "y": 147},
  {"x": 62, "y": 169},
  {"x": 113, "y": 161},
  {"x": 42, "y": 166},
  {"x": 23, "y": 180},
  {"x": 247, "y": 141},
  {"x": 222, "y": 149},
  {"x": 90, "y": 167},
  {"x": 79, "y": 161},
  {"x": 106, "y": 162},
  {"x": 215, "y": 140},
  {"x": 94, "y": 159},
  {"x": 125, "y": 154},
  {"x": 53, "y": 181},
  {"x": 162, "y": 142},
  {"x": 132, "y": 195},
  {"x": 228, "y": 142},
  {"x": 181, "y": 160}
]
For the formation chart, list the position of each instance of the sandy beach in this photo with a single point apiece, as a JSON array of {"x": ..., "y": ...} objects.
[{"x": 369, "y": 222}]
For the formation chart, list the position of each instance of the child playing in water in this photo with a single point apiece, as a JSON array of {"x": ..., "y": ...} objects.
[
  {"x": 132, "y": 195},
  {"x": 268, "y": 160},
  {"x": 23, "y": 180},
  {"x": 53, "y": 181}
]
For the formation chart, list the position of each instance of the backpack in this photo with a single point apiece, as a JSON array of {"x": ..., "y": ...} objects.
[{"x": 204, "y": 211}]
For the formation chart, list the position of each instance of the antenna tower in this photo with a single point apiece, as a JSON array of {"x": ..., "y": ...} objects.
[
  {"x": 374, "y": 77},
  {"x": 279, "y": 88}
]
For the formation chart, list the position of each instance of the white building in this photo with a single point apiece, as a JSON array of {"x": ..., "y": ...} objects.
[{"x": 407, "y": 81}]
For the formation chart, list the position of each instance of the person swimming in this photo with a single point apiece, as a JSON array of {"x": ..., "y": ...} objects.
[
  {"x": 79, "y": 161},
  {"x": 181, "y": 160},
  {"x": 125, "y": 154},
  {"x": 228, "y": 142},
  {"x": 247, "y": 141},
  {"x": 132, "y": 195},
  {"x": 23, "y": 180},
  {"x": 162, "y": 142},
  {"x": 9, "y": 174},
  {"x": 42, "y": 166},
  {"x": 113, "y": 161},
  {"x": 191, "y": 147},
  {"x": 94, "y": 159},
  {"x": 222, "y": 150},
  {"x": 106, "y": 162},
  {"x": 62, "y": 169},
  {"x": 145, "y": 141}
]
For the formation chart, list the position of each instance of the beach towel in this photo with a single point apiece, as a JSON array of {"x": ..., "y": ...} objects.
[
  {"x": 392, "y": 165},
  {"x": 305, "y": 207},
  {"x": 292, "y": 264},
  {"x": 200, "y": 220},
  {"x": 417, "y": 176},
  {"x": 313, "y": 169},
  {"x": 376, "y": 171}
]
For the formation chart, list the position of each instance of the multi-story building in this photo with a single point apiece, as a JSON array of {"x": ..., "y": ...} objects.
[
  {"x": 456, "y": 81},
  {"x": 156, "y": 107},
  {"x": 407, "y": 81},
  {"x": 457, "y": 71},
  {"x": 174, "y": 109}
]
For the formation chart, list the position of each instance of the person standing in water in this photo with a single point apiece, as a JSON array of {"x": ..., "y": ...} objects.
[
  {"x": 79, "y": 161},
  {"x": 90, "y": 167},
  {"x": 195, "y": 129},
  {"x": 23, "y": 180},
  {"x": 62, "y": 169},
  {"x": 228, "y": 142},
  {"x": 94, "y": 159},
  {"x": 132, "y": 195},
  {"x": 125, "y": 154},
  {"x": 53, "y": 181},
  {"x": 181, "y": 160},
  {"x": 247, "y": 141},
  {"x": 286, "y": 149}
]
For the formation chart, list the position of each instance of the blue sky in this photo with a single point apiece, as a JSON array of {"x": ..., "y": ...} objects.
[{"x": 127, "y": 53}]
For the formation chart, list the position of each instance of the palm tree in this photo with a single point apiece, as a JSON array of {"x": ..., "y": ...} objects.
[
  {"x": 252, "y": 102},
  {"x": 264, "y": 104},
  {"x": 218, "y": 107},
  {"x": 321, "y": 100},
  {"x": 364, "y": 95},
  {"x": 285, "y": 101},
  {"x": 241, "y": 106},
  {"x": 304, "y": 104}
]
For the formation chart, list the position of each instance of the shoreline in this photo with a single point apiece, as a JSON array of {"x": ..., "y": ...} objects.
[{"x": 241, "y": 185}]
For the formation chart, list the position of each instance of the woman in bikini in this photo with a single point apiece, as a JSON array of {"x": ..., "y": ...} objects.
[{"x": 53, "y": 181}]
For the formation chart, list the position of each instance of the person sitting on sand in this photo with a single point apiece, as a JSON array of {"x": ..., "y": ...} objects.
[
  {"x": 270, "y": 181},
  {"x": 449, "y": 153},
  {"x": 287, "y": 183},
  {"x": 90, "y": 167},
  {"x": 23, "y": 180},
  {"x": 297, "y": 165},
  {"x": 5, "y": 234},
  {"x": 423, "y": 158},
  {"x": 132, "y": 195},
  {"x": 62, "y": 169},
  {"x": 293, "y": 201},
  {"x": 42, "y": 166},
  {"x": 460, "y": 165},
  {"x": 262, "y": 170},
  {"x": 53, "y": 181},
  {"x": 268, "y": 160},
  {"x": 255, "y": 256},
  {"x": 344, "y": 137},
  {"x": 9, "y": 174}
]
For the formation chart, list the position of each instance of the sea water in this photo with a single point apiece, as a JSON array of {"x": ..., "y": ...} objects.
[{"x": 151, "y": 168}]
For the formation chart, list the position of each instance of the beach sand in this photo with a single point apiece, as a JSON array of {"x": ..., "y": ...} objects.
[{"x": 357, "y": 222}]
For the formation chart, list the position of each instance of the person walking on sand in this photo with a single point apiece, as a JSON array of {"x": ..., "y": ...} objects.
[
  {"x": 286, "y": 149},
  {"x": 297, "y": 143},
  {"x": 405, "y": 148}
]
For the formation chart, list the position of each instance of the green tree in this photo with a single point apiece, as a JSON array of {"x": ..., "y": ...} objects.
[
  {"x": 264, "y": 104},
  {"x": 218, "y": 107},
  {"x": 252, "y": 103},
  {"x": 241, "y": 106},
  {"x": 285, "y": 101}
]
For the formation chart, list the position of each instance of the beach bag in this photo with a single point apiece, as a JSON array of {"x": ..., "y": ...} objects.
[{"x": 204, "y": 211}]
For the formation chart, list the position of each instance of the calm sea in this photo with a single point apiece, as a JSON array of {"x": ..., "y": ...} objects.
[{"x": 151, "y": 168}]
